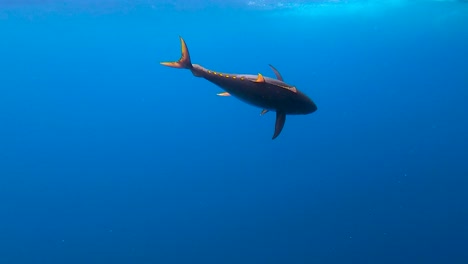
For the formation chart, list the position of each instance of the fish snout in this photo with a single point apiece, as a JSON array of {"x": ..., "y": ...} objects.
[
  {"x": 311, "y": 107},
  {"x": 307, "y": 106}
]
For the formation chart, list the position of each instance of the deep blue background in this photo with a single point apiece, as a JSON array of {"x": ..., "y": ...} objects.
[{"x": 108, "y": 157}]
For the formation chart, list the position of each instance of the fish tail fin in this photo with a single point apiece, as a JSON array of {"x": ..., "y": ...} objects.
[{"x": 184, "y": 62}]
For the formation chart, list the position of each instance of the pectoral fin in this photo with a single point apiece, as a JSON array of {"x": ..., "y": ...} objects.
[
  {"x": 280, "y": 119},
  {"x": 278, "y": 75},
  {"x": 224, "y": 94}
]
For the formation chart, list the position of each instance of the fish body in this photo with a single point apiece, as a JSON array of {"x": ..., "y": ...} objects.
[{"x": 269, "y": 94}]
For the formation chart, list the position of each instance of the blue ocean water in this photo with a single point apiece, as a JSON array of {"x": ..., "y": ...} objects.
[{"x": 108, "y": 157}]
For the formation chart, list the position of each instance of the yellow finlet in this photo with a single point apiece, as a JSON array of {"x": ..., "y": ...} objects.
[
  {"x": 260, "y": 79},
  {"x": 224, "y": 94},
  {"x": 264, "y": 111}
]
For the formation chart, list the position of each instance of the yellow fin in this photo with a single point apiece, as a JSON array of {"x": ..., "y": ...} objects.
[
  {"x": 224, "y": 94},
  {"x": 260, "y": 79}
]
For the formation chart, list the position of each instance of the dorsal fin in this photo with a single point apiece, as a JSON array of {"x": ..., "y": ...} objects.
[
  {"x": 260, "y": 78},
  {"x": 280, "y": 119},
  {"x": 278, "y": 75}
]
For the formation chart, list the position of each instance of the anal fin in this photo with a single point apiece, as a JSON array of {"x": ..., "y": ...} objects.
[
  {"x": 280, "y": 119},
  {"x": 224, "y": 94}
]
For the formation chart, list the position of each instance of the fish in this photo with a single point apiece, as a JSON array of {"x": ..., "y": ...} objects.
[{"x": 268, "y": 94}]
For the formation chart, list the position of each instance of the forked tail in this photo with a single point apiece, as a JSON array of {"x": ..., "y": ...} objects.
[{"x": 184, "y": 61}]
